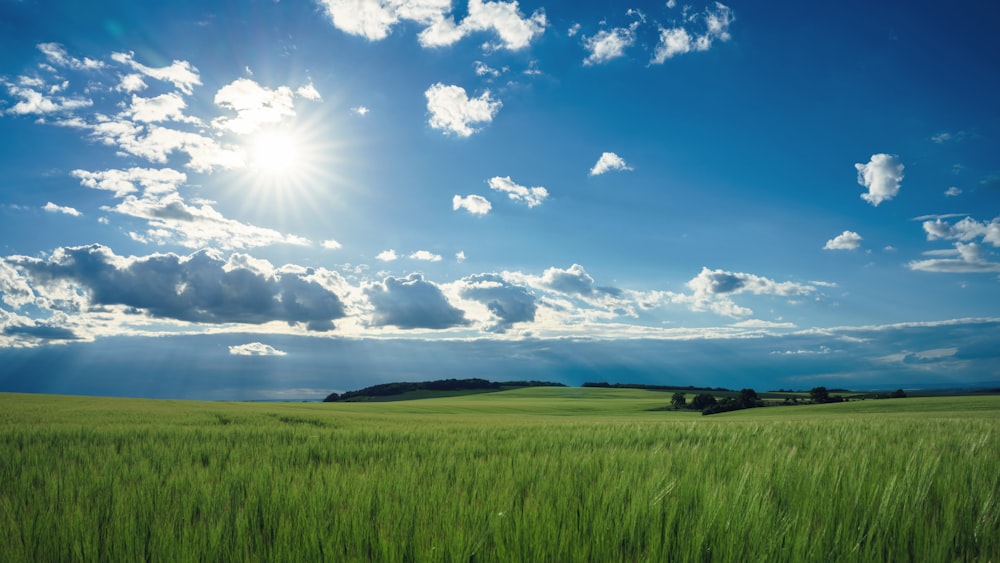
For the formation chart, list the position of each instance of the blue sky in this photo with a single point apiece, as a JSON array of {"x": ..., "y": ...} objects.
[{"x": 259, "y": 199}]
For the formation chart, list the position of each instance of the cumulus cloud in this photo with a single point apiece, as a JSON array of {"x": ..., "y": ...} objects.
[
  {"x": 607, "y": 45},
  {"x": 506, "y": 302},
  {"x": 573, "y": 280},
  {"x": 848, "y": 240},
  {"x": 165, "y": 107},
  {"x": 964, "y": 230},
  {"x": 360, "y": 110},
  {"x": 453, "y": 111},
  {"x": 374, "y": 20},
  {"x": 387, "y": 255},
  {"x": 609, "y": 161},
  {"x": 202, "y": 287},
  {"x": 255, "y": 105},
  {"x": 330, "y": 244},
  {"x": 425, "y": 256},
  {"x": 255, "y": 349},
  {"x": 678, "y": 40},
  {"x": 953, "y": 191},
  {"x": 712, "y": 290},
  {"x": 475, "y": 204},
  {"x": 532, "y": 196},
  {"x": 882, "y": 175},
  {"x": 53, "y": 208},
  {"x": 411, "y": 303}
]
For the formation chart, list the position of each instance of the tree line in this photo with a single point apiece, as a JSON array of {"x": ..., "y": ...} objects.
[{"x": 399, "y": 388}]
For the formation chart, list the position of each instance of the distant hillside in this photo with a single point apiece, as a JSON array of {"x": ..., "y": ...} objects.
[{"x": 447, "y": 386}]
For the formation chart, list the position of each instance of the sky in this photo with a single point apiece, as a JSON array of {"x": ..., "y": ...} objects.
[{"x": 260, "y": 199}]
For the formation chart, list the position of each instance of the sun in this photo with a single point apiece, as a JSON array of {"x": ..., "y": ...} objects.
[{"x": 275, "y": 153}]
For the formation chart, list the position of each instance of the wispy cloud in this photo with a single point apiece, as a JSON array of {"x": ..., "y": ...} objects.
[
  {"x": 182, "y": 74},
  {"x": 607, "y": 45},
  {"x": 53, "y": 208},
  {"x": 532, "y": 196},
  {"x": 678, "y": 40},
  {"x": 255, "y": 349}
]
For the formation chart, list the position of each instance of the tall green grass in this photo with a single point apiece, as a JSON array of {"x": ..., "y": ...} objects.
[{"x": 527, "y": 475}]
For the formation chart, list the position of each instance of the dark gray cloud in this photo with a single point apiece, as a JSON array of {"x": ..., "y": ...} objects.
[
  {"x": 202, "y": 287},
  {"x": 509, "y": 303},
  {"x": 40, "y": 331},
  {"x": 411, "y": 302}
]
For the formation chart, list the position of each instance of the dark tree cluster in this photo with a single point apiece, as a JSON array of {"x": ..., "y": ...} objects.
[
  {"x": 822, "y": 395},
  {"x": 399, "y": 388},
  {"x": 708, "y": 404}
]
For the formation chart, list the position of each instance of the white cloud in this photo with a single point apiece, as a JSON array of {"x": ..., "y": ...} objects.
[
  {"x": 680, "y": 40},
  {"x": 882, "y": 176},
  {"x": 953, "y": 191},
  {"x": 965, "y": 230},
  {"x": 609, "y": 161},
  {"x": 387, "y": 255},
  {"x": 165, "y": 107},
  {"x": 331, "y": 244},
  {"x": 966, "y": 258},
  {"x": 255, "y": 349},
  {"x": 453, "y": 111},
  {"x": 712, "y": 290},
  {"x": 34, "y": 102},
  {"x": 515, "y": 30},
  {"x": 53, "y": 208},
  {"x": 475, "y": 204},
  {"x": 573, "y": 30},
  {"x": 255, "y": 105},
  {"x": 425, "y": 256},
  {"x": 483, "y": 69},
  {"x": 360, "y": 110},
  {"x": 531, "y": 196},
  {"x": 172, "y": 220},
  {"x": 57, "y": 55},
  {"x": 608, "y": 45},
  {"x": 182, "y": 74},
  {"x": 460, "y": 256},
  {"x": 132, "y": 82},
  {"x": 848, "y": 240},
  {"x": 374, "y": 20},
  {"x": 309, "y": 92},
  {"x": 123, "y": 182}
]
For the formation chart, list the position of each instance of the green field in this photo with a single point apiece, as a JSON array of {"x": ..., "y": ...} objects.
[{"x": 540, "y": 474}]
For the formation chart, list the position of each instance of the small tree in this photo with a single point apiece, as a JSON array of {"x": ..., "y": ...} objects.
[
  {"x": 898, "y": 394},
  {"x": 679, "y": 400},
  {"x": 819, "y": 395},
  {"x": 748, "y": 398}
]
